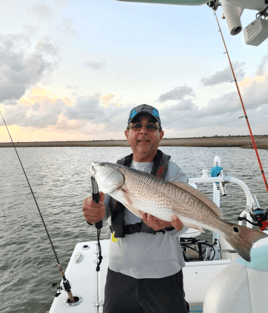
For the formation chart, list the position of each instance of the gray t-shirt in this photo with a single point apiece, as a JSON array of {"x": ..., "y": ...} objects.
[{"x": 143, "y": 255}]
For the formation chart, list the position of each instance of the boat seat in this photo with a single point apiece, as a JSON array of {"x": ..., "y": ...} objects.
[{"x": 241, "y": 286}]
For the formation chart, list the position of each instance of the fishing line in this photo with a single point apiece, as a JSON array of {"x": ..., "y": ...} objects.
[
  {"x": 65, "y": 281},
  {"x": 243, "y": 107}
]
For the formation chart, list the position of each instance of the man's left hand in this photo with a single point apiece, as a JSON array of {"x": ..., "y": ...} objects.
[
  {"x": 154, "y": 222},
  {"x": 176, "y": 223},
  {"x": 158, "y": 224}
]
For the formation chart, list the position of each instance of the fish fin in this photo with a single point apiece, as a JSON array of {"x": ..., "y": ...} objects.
[
  {"x": 195, "y": 227},
  {"x": 129, "y": 204},
  {"x": 133, "y": 210},
  {"x": 242, "y": 238},
  {"x": 199, "y": 195},
  {"x": 127, "y": 197},
  {"x": 123, "y": 196}
]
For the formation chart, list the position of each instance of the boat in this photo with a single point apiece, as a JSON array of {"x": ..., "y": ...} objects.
[{"x": 216, "y": 279}]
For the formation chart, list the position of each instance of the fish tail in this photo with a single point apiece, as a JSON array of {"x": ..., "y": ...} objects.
[{"x": 242, "y": 238}]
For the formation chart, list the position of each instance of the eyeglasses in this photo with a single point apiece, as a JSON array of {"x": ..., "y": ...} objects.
[{"x": 149, "y": 127}]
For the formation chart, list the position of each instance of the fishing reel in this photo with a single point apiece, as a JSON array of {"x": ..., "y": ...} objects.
[
  {"x": 260, "y": 218},
  {"x": 66, "y": 285},
  {"x": 59, "y": 289},
  {"x": 258, "y": 215}
]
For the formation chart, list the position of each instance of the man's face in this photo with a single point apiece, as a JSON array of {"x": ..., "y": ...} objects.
[{"x": 144, "y": 142}]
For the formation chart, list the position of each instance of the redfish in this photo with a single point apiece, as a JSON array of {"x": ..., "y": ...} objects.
[{"x": 139, "y": 191}]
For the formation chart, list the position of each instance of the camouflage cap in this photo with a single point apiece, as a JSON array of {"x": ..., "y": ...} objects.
[{"x": 144, "y": 109}]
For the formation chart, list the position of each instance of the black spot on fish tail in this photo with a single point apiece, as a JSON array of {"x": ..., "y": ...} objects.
[
  {"x": 236, "y": 230},
  {"x": 242, "y": 238}
]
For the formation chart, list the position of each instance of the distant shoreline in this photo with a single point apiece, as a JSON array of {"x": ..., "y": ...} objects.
[{"x": 216, "y": 141}]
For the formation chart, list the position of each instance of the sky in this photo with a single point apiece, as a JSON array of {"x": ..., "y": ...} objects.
[{"x": 73, "y": 70}]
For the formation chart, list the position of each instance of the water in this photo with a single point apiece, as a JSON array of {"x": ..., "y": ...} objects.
[{"x": 60, "y": 179}]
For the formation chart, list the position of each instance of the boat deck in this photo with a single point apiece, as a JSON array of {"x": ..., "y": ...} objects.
[{"x": 84, "y": 279}]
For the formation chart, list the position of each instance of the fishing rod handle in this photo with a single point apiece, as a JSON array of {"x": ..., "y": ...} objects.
[
  {"x": 66, "y": 284},
  {"x": 96, "y": 198}
]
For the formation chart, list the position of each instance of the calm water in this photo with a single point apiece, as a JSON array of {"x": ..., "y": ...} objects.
[{"x": 60, "y": 179}]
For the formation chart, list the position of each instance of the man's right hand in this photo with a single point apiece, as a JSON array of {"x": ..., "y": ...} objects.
[{"x": 94, "y": 212}]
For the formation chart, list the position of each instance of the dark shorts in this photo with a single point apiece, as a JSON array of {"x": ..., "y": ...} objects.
[{"x": 125, "y": 294}]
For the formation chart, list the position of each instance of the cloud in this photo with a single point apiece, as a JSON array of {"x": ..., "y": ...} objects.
[
  {"x": 72, "y": 87},
  {"x": 90, "y": 118},
  {"x": 96, "y": 66},
  {"x": 66, "y": 26},
  {"x": 185, "y": 105},
  {"x": 38, "y": 109},
  {"x": 228, "y": 102},
  {"x": 261, "y": 67},
  {"x": 21, "y": 67},
  {"x": 85, "y": 108},
  {"x": 89, "y": 108},
  {"x": 31, "y": 30},
  {"x": 222, "y": 112},
  {"x": 47, "y": 48},
  {"x": 42, "y": 11},
  {"x": 11, "y": 102},
  {"x": 224, "y": 75},
  {"x": 106, "y": 99},
  {"x": 40, "y": 115},
  {"x": 177, "y": 93},
  {"x": 255, "y": 92}
]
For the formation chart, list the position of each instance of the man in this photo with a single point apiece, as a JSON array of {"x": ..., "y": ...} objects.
[{"x": 146, "y": 260}]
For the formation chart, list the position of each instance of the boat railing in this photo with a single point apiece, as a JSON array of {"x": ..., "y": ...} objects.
[
  {"x": 219, "y": 187},
  {"x": 228, "y": 179},
  {"x": 220, "y": 181}
]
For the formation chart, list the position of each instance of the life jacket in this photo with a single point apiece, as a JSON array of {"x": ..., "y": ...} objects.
[{"x": 159, "y": 169}]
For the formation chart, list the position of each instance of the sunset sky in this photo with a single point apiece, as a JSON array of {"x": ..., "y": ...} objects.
[{"x": 72, "y": 70}]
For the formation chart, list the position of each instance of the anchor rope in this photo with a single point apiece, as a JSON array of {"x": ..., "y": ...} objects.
[{"x": 243, "y": 107}]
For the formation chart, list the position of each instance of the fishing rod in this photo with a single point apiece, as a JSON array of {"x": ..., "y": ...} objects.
[
  {"x": 66, "y": 284},
  {"x": 243, "y": 107}
]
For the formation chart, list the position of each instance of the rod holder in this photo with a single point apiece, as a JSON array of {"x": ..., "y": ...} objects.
[
  {"x": 256, "y": 204},
  {"x": 223, "y": 189},
  {"x": 77, "y": 301}
]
